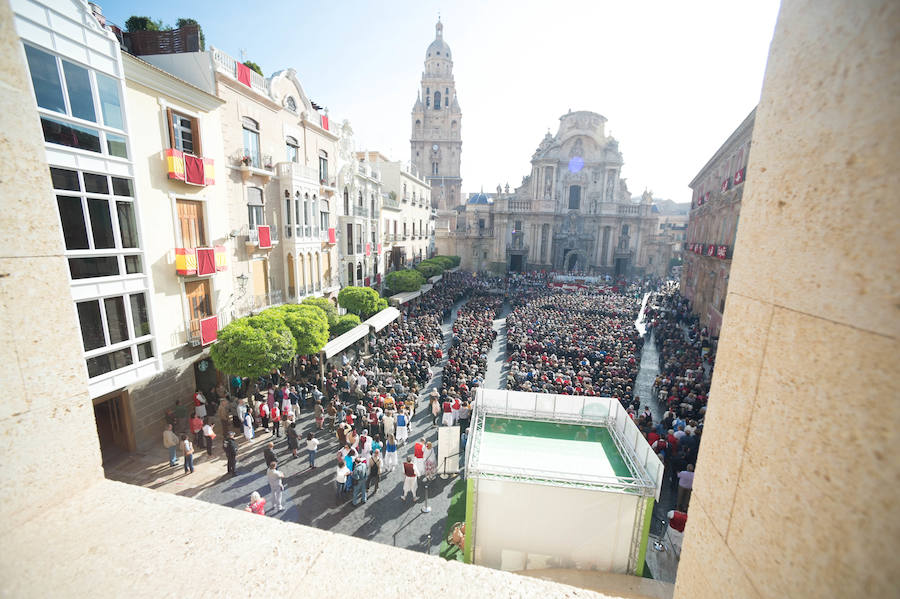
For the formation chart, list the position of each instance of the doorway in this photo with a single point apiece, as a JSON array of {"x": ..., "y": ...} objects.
[
  {"x": 112, "y": 416},
  {"x": 515, "y": 263}
]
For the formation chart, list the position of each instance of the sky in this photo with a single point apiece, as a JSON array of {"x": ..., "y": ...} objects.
[{"x": 673, "y": 79}]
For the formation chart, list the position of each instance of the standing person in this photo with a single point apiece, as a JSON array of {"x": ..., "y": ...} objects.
[
  {"x": 374, "y": 471},
  {"x": 312, "y": 445},
  {"x": 419, "y": 456},
  {"x": 387, "y": 423},
  {"x": 276, "y": 484},
  {"x": 208, "y": 435},
  {"x": 170, "y": 442},
  {"x": 410, "y": 480},
  {"x": 293, "y": 440},
  {"x": 199, "y": 404},
  {"x": 188, "y": 448},
  {"x": 360, "y": 475},
  {"x": 340, "y": 477},
  {"x": 447, "y": 408},
  {"x": 332, "y": 415},
  {"x": 430, "y": 461},
  {"x": 197, "y": 428},
  {"x": 229, "y": 445},
  {"x": 269, "y": 453},
  {"x": 247, "y": 425},
  {"x": 319, "y": 415},
  {"x": 223, "y": 415},
  {"x": 264, "y": 414},
  {"x": 402, "y": 429},
  {"x": 685, "y": 485},
  {"x": 435, "y": 408},
  {"x": 390, "y": 454},
  {"x": 276, "y": 421},
  {"x": 257, "y": 504}
]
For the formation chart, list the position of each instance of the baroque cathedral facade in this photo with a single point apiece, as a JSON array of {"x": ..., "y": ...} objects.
[{"x": 572, "y": 213}]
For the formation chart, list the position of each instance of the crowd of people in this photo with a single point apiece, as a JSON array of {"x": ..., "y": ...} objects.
[{"x": 578, "y": 341}]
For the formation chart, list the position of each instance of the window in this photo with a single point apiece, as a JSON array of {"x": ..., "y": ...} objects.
[
  {"x": 94, "y": 219},
  {"x": 575, "y": 197},
  {"x": 359, "y": 200},
  {"x": 324, "y": 215},
  {"x": 70, "y": 90},
  {"x": 323, "y": 166},
  {"x": 190, "y": 230},
  {"x": 251, "y": 141},
  {"x": 292, "y": 148},
  {"x": 287, "y": 213},
  {"x": 183, "y": 133},
  {"x": 291, "y": 104},
  {"x": 434, "y": 168},
  {"x": 255, "y": 206},
  {"x": 199, "y": 301},
  {"x": 105, "y": 322},
  {"x": 437, "y": 100},
  {"x": 350, "y": 240},
  {"x": 346, "y": 202}
]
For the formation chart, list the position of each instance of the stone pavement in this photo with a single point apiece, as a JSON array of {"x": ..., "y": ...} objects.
[
  {"x": 309, "y": 495},
  {"x": 497, "y": 366}
]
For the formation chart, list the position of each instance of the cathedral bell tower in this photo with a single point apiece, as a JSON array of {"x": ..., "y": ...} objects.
[{"x": 436, "y": 142}]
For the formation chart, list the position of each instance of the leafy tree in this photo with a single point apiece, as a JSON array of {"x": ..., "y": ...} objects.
[
  {"x": 382, "y": 304},
  {"x": 326, "y": 306},
  {"x": 404, "y": 280},
  {"x": 185, "y": 22},
  {"x": 254, "y": 67},
  {"x": 443, "y": 261},
  {"x": 429, "y": 269},
  {"x": 136, "y": 23},
  {"x": 454, "y": 260},
  {"x": 362, "y": 301},
  {"x": 344, "y": 324},
  {"x": 253, "y": 346},
  {"x": 308, "y": 324}
]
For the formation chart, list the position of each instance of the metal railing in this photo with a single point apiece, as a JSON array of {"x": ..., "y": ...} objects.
[
  {"x": 253, "y": 236},
  {"x": 360, "y": 211},
  {"x": 272, "y": 298},
  {"x": 295, "y": 170}
]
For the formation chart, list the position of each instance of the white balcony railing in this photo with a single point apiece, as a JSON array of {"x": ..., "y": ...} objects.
[
  {"x": 228, "y": 65},
  {"x": 292, "y": 170}
]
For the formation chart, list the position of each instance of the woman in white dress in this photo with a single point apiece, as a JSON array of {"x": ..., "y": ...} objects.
[{"x": 390, "y": 454}]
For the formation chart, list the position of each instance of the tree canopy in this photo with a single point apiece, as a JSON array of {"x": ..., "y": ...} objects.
[
  {"x": 307, "y": 323},
  {"x": 429, "y": 269},
  {"x": 362, "y": 301},
  {"x": 136, "y": 23},
  {"x": 344, "y": 324},
  {"x": 453, "y": 260},
  {"x": 253, "y": 346},
  {"x": 254, "y": 67},
  {"x": 326, "y": 306},
  {"x": 404, "y": 280}
]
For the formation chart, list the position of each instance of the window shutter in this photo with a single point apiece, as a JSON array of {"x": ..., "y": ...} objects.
[
  {"x": 171, "y": 128},
  {"x": 195, "y": 133}
]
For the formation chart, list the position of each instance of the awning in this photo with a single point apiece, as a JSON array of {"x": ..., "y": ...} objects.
[
  {"x": 402, "y": 298},
  {"x": 339, "y": 344},
  {"x": 426, "y": 288},
  {"x": 435, "y": 279},
  {"x": 382, "y": 319}
]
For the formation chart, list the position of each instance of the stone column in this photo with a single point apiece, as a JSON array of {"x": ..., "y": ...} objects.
[{"x": 796, "y": 481}]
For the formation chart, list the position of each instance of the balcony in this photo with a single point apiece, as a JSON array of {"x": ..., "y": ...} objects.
[
  {"x": 361, "y": 211},
  {"x": 292, "y": 170},
  {"x": 327, "y": 186},
  {"x": 482, "y": 232},
  {"x": 259, "y": 302},
  {"x": 328, "y": 236},
  {"x": 262, "y": 237},
  {"x": 248, "y": 170},
  {"x": 239, "y": 72},
  {"x": 190, "y": 169},
  {"x": 200, "y": 261},
  {"x": 204, "y": 331},
  {"x": 389, "y": 202},
  {"x": 520, "y": 205}
]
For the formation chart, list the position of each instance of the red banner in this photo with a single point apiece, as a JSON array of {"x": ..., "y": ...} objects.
[
  {"x": 193, "y": 170},
  {"x": 243, "y": 74},
  {"x": 209, "y": 329},
  {"x": 206, "y": 261},
  {"x": 332, "y": 237},
  {"x": 726, "y": 184},
  {"x": 722, "y": 251},
  {"x": 710, "y": 250},
  {"x": 265, "y": 236},
  {"x": 368, "y": 250},
  {"x": 739, "y": 177},
  {"x": 325, "y": 122}
]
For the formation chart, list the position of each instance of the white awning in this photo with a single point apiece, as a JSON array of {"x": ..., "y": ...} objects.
[
  {"x": 402, "y": 298},
  {"x": 382, "y": 319},
  {"x": 435, "y": 279},
  {"x": 339, "y": 344},
  {"x": 426, "y": 288}
]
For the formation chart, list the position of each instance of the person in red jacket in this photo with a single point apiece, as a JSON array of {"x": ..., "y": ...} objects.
[
  {"x": 410, "y": 479},
  {"x": 257, "y": 504},
  {"x": 276, "y": 421},
  {"x": 447, "y": 407},
  {"x": 419, "y": 456}
]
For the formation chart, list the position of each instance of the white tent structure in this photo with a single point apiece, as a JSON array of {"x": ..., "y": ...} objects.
[
  {"x": 426, "y": 288},
  {"x": 557, "y": 481},
  {"x": 382, "y": 319},
  {"x": 402, "y": 298}
]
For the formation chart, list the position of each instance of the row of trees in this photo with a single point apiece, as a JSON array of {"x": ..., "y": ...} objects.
[
  {"x": 254, "y": 345},
  {"x": 411, "y": 279}
]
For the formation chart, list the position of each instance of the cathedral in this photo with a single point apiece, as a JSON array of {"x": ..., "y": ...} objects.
[{"x": 572, "y": 213}]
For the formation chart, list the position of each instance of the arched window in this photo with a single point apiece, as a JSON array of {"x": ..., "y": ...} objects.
[
  {"x": 372, "y": 207},
  {"x": 359, "y": 200},
  {"x": 324, "y": 214},
  {"x": 292, "y": 149},
  {"x": 418, "y": 124},
  {"x": 346, "y": 201},
  {"x": 256, "y": 214},
  {"x": 323, "y": 167},
  {"x": 575, "y": 197},
  {"x": 350, "y": 273},
  {"x": 437, "y": 100},
  {"x": 359, "y": 274}
]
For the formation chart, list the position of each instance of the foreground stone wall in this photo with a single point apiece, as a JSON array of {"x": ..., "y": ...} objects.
[{"x": 797, "y": 475}]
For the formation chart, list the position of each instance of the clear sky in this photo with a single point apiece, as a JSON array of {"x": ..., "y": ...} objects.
[{"x": 674, "y": 79}]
